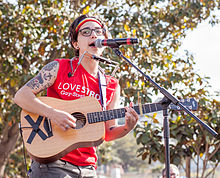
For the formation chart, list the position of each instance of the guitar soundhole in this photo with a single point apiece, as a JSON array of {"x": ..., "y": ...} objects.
[{"x": 80, "y": 120}]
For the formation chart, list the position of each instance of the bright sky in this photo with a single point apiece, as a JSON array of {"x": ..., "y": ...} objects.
[{"x": 204, "y": 43}]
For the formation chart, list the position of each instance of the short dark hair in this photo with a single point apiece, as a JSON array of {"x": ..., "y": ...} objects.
[{"x": 73, "y": 35}]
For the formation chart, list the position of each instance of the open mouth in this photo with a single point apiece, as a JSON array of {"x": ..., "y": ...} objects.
[{"x": 92, "y": 44}]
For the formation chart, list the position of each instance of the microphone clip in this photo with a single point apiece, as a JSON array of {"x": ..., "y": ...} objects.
[{"x": 102, "y": 59}]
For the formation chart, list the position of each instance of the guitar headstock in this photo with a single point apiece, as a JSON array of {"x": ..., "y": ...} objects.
[{"x": 190, "y": 104}]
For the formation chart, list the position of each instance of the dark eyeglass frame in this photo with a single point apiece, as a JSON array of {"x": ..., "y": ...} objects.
[{"x": 91, "y": 30}]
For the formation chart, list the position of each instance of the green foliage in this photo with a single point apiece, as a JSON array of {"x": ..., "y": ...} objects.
[
  {"x": 187, "y": 137},
  {"x": 16, "y": 163},
  {"x": 122, "y": 151},
  {"x": 104, "y": 152},
  {"x": 34, "y": 32}
]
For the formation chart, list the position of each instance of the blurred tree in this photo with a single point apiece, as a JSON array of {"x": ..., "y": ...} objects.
[
  {"x": 34, "y": 32},
  {"x": 188, "y": 140},
  {"x": 126, "y": 150}
]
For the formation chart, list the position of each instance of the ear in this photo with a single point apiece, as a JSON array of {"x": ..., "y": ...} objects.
[{"x": 75, "y": 45}]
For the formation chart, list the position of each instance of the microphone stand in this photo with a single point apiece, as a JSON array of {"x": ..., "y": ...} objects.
[{"x": 168, "y": 98}]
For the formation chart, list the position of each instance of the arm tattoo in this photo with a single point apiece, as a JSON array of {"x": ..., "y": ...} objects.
[
  {"x": 111, "y": 128},
  {"x": 35, "y": 82},
  {"x": 50, "y": 66},
  {"x": 45, "y": 78}
]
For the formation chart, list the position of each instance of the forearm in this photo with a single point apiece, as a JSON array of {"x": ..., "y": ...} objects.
[
  {"x": 116, "y": 132},
  {"x": 27, "y": 100},
  {"x": 113, "y": 131}
]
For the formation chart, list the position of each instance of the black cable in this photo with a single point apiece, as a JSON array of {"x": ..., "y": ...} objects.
[{"x": 25, "y": 162}]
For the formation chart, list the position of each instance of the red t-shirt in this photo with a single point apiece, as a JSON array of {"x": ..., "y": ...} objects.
[{"x": 71, "y": 88}]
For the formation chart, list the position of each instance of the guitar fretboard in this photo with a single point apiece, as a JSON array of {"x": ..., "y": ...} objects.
[{"x": 120, "y": 113}]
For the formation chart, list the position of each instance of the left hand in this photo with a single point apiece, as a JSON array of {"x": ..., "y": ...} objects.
[{"x": 131, "y": 117}]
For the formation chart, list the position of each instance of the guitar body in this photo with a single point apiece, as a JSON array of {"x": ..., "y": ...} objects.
[
  {"x": 46, "y": 142},
  {"x": 62, "y": 142}
]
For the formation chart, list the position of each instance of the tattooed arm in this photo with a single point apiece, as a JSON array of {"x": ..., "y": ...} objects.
[
  {"x": 26, "y": 96},
  {"x": 45, "y": 78}
]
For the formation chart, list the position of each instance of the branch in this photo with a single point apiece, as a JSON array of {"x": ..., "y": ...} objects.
[
  {"x": 21, "y": 53},
  {"x": 206, "y": 158},
  {"x": 214, "y": 151},
  {"x": 4, "y": 135},
  {"x": 11, "y": 135},
  {"x": 197, "y": 164},
  {"x": 101, "y": 2},
  {"x": 197, "y": 148},
  {"x": 213, "y": 170},
  {"x": 17, "y": 149}
]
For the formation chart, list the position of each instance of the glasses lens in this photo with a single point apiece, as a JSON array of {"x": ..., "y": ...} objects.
[
  {"x": 99, "y": 31},
  {"x": 86, "y": 32}
]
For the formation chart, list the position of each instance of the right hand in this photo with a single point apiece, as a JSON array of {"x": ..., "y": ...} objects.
[{"x": 62, "y": 119}]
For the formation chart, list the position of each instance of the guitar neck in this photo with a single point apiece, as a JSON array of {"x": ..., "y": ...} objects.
[{"x": 102, "y": 116}]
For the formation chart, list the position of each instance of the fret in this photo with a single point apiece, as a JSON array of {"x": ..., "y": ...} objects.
[
  {"x": 156, "y": 107},
  {"x": 111, "y": 115},
  {"x": 93, "y": 120},
  {"x": 95, "y": 116},
  {"x": 106, "y": 115},
  {"x": 153, "y": 108},
  {"x": 136, "y": 108},
  {"x": 119, "y": 113},
  {"x": 123, "y": 112},
  {"x": 89, "y": 118},
  {"x": 159, "y": 107},
  {"x": 101, "y": 117},
  {"x": 147, "y": 108},
  {"x": 115, "y": 113}
]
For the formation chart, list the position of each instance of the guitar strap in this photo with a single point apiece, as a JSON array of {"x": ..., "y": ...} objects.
[{"x": 102, "y": 87}]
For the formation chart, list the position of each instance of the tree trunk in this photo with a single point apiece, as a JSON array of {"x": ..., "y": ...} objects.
[
  {"x": 8, "y": 141},
  {"x": 188, "y": 159}
]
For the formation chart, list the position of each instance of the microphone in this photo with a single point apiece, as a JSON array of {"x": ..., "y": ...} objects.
[
  {"x": 101, "y": 59},
  {"x": 114, "y": 43}
]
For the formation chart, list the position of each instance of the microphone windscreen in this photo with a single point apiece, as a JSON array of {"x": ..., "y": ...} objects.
[{"x": 98, "y": 43}]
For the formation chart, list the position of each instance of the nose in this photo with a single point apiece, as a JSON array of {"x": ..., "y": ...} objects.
[{"x": 93, "y": 35}]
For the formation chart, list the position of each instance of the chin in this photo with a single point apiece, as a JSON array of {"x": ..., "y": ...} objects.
[{"x": 96, "y": 51}]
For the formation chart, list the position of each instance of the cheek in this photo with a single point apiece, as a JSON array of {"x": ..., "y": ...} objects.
[
  {"x": 82, "y": 44},
  {"x": 81, "y": 41}
]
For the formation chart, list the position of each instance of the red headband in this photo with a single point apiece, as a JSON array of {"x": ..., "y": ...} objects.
[{"x": 86, "y": 20}]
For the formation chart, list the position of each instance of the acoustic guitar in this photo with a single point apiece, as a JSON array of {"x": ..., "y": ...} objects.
[{"x": 46, "y": 142}]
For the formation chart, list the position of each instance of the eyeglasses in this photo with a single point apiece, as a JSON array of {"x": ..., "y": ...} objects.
[{"x": 88, "y": 31}]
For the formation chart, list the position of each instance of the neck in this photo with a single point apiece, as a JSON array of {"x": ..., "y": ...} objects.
[{"x": 90, "y": 65}]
